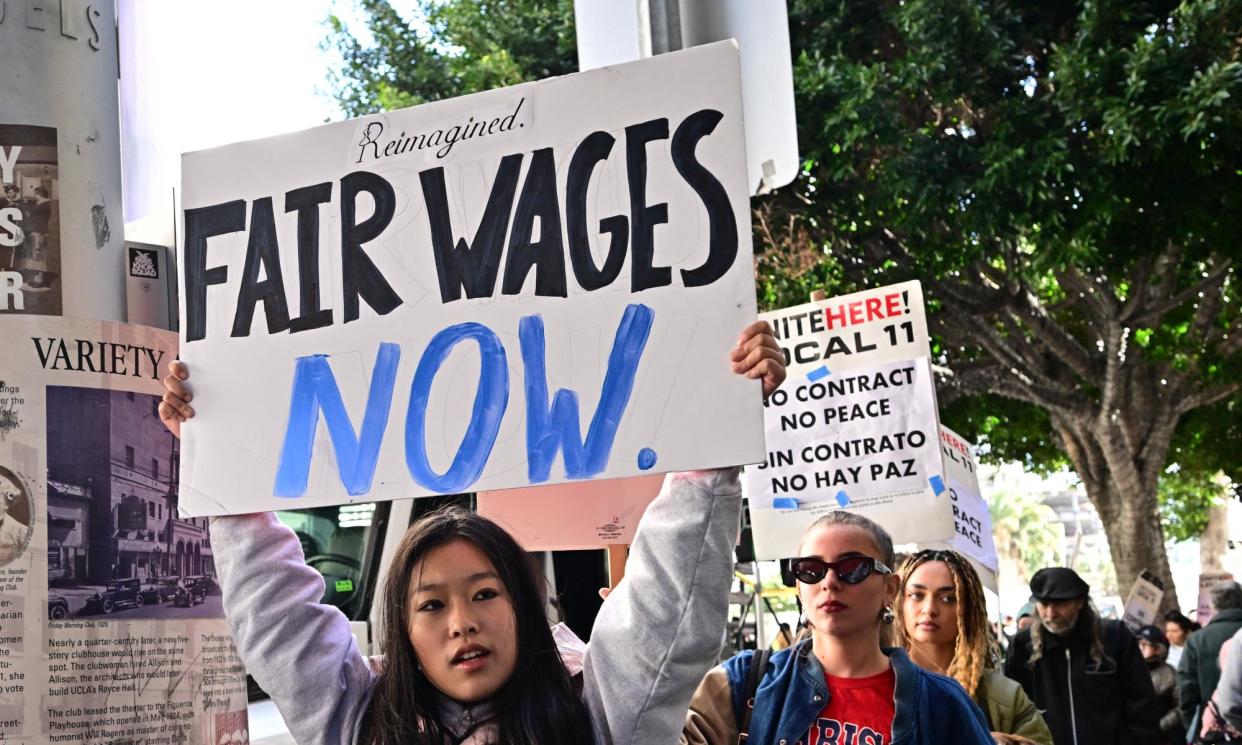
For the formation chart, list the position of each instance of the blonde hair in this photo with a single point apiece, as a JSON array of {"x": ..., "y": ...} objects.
[{"x": 974, "y": 652}]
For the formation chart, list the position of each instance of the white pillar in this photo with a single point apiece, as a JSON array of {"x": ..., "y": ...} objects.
[{"x": 60, "y": 134}]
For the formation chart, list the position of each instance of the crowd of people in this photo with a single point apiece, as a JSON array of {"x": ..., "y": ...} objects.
[{"x": 890, "y": 653}]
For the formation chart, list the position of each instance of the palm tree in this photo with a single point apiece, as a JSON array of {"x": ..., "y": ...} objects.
[{"x": 1025, "y": 531}]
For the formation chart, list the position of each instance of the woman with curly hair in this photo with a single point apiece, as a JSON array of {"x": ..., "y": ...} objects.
[{"x": 942, "y": 622}]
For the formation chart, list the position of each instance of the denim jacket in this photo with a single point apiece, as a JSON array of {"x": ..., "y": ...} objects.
[{"x": 930, "y": 709}]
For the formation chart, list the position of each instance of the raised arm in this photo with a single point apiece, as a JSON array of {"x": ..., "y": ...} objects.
[
  {"x": 660, "y": 630},
  {"x": 300, "y": 651}
]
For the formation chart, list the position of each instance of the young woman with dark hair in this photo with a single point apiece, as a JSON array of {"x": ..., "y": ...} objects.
[
  {"x": 839, "y": 686},
  {"x": 942, "y": 623},
  {"x": 469, "y": 656}
]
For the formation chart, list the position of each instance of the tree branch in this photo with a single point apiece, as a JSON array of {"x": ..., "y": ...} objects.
[
  {"x": 1207, "y": 397},
  {"x": 1152, "y": 316}
]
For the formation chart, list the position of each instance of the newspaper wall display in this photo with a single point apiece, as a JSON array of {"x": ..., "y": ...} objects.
[
  {"x": 29, "y": 220},
  {"x": 1143, "y": 604},
  {"x": 530, "y": 285},
  {"x": 972, "y": 522},
  {"x": 132, "y": 646},
  {"x": 574, "y": 516},
  {"x": 855, "y": 425}
]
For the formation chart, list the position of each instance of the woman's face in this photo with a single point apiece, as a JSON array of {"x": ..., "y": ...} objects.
[
  {"x": 461, "y": 622},
  {"x": 1174, "y": 633},
  {"x": 929, "y": 606},
  {"x": 834, "y": 607}
]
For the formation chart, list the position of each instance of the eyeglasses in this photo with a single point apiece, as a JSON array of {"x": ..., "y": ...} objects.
[{"x": 851, "y": 570}]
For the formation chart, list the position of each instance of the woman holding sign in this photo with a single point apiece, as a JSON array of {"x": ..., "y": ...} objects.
[
  {"x": 469, "y": 655},
  {"x": 942, "y": 622},
  {"x": 839, "y": 686}
]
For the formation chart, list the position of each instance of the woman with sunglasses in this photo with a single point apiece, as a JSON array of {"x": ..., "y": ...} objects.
[
  {"x": 942, "y": 622},
  {"x": 839, "y": 687}
]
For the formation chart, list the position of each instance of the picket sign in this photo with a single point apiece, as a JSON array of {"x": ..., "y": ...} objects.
[
  {"x": 1144, "y": 601},
  {"x": 855, "y": 425},
  {"x": 530, "y": 285},
  {"x": 972, "y": 522}
]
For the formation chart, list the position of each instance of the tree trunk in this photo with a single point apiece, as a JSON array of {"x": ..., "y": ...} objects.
[
  {"x": 1215, "y": 540},
  {"x": 1124, "y": 494}
]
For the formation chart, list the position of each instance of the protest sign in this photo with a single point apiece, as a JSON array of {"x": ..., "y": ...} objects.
[
  {"x": 572, "y": 516},
  {"x": 88, "y": 490},
  {"x": 524, "y": 286},
  {"x": 1144, "y": 601},
  {"x": 1204, "y": 610},
  {"x": 855, "y": 425},
  {"x": 972, "y": 523}
]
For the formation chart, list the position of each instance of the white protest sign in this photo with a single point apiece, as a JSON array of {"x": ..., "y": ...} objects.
[
  {"x": 524, "y": 286},
  {"x": 855, "y": 425},
  {"x": 972, "y": 522},
  {"x": 1144, "y": 601}
]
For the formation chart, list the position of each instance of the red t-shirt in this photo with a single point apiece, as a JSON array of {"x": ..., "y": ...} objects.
[{"x": 859, "y": 712}]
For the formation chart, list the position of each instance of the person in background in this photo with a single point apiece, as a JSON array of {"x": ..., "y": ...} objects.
[
  {"x": 1083, "y": 672},
  {"x": 1199, "y": 669},
  {"x": 1229, "y": 688},
  {"x": 838, "y": 686},
  {"x": 1177, "y": 628},
  {"x": 942, "y": 622},
  {"x": 1026, "y": 616},
  {"x": 1154, "y": 646}
]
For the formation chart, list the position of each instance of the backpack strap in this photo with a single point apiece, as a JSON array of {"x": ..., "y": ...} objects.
[{"x": 758, "y": 665}]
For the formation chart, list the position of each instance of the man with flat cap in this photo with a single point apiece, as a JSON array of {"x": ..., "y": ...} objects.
[{"x": 1085, "y": 673}]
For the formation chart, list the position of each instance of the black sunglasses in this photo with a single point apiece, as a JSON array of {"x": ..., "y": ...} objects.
[{"x": 851, "y": 570}]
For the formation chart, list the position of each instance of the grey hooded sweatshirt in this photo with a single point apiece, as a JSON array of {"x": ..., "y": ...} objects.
[{"x": 654, "y": 638}]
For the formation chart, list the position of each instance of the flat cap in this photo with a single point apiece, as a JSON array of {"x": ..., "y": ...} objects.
[
  {"x": 1152, "y": 634},
  {"x": 1058, "y": 583}
]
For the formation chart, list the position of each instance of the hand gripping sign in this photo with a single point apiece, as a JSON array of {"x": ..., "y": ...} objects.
[
  {"x": 854, "y": 426},
  {"x": 524, "y": 286}
]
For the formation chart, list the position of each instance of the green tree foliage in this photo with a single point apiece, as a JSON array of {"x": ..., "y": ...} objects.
[
  {"x": 1064, "y": 177},
  {"x": 448, "y": 49}
]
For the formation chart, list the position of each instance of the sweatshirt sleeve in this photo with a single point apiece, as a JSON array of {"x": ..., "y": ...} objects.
[
  {"x": 299, "y": 650},
  {"x": 660, "y": 630}
]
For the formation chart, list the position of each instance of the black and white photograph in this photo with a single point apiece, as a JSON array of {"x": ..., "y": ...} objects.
[
  {"x": 29, "y": 220},
  {"x": 15, "y": 522},
  {"x": 116, "y": 545}
]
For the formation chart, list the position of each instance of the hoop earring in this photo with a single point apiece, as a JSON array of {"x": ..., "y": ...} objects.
[{"x": 888, "y": 616}]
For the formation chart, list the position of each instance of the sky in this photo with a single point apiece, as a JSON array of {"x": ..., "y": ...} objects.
[{"x": 196, "y": 75}]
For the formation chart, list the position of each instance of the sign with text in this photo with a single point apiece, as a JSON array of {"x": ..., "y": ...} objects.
[
  {"x": 1203, "y": 609},
  {"x": 88, "y": 531},
  {"x": 1143, "y": 604},
  {"x": 525, "y": 286},
  {"x": 972, "y": 522},
  {"x": 573, "y": 516},
  {"x": 855, "y": 425}
]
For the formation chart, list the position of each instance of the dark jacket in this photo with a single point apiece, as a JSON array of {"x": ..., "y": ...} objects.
[
  {"x": 1085, "y": 701},
  {"x": 1199, "y": 669},
  {"x": 930, "y": 709},
  {"x": 1164, "y": 680}
]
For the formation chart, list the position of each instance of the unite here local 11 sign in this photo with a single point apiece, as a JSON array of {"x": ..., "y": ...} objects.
[
  {"x": 530, "y": 285},
  {"x": 854, "y": 426},
  {"x": 972, "y": 523}
]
